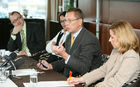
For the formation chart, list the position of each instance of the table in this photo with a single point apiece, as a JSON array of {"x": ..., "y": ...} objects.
[{"x": 47, "y": 76}]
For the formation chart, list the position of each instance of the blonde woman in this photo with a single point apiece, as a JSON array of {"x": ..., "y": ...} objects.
[{"x": 123, "y": 65}]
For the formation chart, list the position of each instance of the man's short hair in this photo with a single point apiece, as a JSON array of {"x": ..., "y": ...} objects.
[
  {"x": 78, "y": 12},
  {"x": 10, "y": 14}
]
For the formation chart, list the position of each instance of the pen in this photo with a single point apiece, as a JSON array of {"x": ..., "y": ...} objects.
[
  {"x": 70, "y": 74},
  {"x": 45, "y": 66}
]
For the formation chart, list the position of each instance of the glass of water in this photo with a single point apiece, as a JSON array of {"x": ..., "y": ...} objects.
[
  {"x": 33, "y": 80},
  {"x": 3, "y": 74}
]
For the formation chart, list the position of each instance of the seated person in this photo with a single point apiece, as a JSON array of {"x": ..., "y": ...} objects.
[
  {"x": 27, "y": 38},
  {"x": 60, "y": 37},
  {"x": 123, "y": 65},
  {"x": 82, "y": 48}
]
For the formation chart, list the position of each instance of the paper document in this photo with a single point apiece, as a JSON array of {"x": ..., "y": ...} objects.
[
  {"x": 23, "y": 72},
  {"x": 8, "y": 83},
  {"x": 50, "y": 84}
]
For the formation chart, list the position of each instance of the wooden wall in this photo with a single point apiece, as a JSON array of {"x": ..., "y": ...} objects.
[{"x": 110, "y": 11}]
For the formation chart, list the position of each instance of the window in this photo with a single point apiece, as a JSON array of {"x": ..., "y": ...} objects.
[
  {"x": 30, "y": 8},
  {"x": 69, "y": 4}
]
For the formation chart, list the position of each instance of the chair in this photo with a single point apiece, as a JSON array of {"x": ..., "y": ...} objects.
[
  {"x": 134, "y": 83},
  {"x": 105, "y": 57}
]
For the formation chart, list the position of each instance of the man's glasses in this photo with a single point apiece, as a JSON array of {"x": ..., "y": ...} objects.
[
  {"x": 69, "y": 20},
  {"x": 14, "y": 21}
]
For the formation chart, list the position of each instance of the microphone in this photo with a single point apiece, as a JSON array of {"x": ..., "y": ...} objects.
[
  {"x": 16, "y": 63},
  {"x": 12, "y": 56}
]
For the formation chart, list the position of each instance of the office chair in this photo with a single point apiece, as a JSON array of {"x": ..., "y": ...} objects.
[
  {"x": 105, "y": 57},
  {"x": 133, "y": 83}
]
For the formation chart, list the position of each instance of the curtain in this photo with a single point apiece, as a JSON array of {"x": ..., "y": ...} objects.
[{"x": 52, "y": 9}]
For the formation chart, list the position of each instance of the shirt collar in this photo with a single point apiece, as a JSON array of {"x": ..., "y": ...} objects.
[
  {"x": 77, "y": 33},
  {"x": 24, "y": 26}
]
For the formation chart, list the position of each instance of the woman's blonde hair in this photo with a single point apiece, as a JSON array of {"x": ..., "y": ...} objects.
[{"x": 127, "y": 38}]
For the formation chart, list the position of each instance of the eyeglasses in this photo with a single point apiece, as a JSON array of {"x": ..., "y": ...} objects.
[
  {"x": 70, "y": 20},
  {"x": 62, "y": 21},
  {"x": 14, "y": 21}
]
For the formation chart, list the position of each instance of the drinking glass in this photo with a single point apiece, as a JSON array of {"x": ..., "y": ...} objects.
[
  {"x": 3, "y": 74},
  {"x": 33, "y": 80}
]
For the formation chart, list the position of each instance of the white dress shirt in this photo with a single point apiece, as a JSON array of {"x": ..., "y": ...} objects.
[{"x": 63, "y": 38}]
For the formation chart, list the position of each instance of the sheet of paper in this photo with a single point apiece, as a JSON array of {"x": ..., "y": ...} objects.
[
  {"x": 23, "y": 72},
  {"x": 50, "y": 84},
  {"x": 8, "y": 83}
]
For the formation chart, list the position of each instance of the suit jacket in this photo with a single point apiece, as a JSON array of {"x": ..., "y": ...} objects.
[
  {"x": 85, "y": 50},
  {"x": 115, "y": 74},
  {"x": 35, "y": 39}
]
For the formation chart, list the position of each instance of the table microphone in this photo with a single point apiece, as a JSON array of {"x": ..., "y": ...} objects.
[{"x": 12, "y": 56}]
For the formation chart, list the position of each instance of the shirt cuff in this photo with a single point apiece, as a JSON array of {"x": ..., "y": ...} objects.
[{"x": 66, "y": 61}]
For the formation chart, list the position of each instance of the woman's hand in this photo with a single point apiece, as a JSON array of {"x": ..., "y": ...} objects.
[{"x": 75, "y": 80}]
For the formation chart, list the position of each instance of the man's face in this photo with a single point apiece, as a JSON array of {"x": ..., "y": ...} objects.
[
  {"x": 16, "y": 19},
  {"x": 62, "y": 22},
  {"x": 72, "y": 23}
]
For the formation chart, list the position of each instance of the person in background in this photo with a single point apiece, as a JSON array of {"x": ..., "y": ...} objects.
[
  {"x": 60, "y": 37},
  {"x": 82, "y": 48},
  {"x": 123, "y": 65},
  {"x": 27, "y": 38}
]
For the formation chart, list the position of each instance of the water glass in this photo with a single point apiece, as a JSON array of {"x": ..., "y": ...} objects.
[
  {"x": 33, "y": 80},
  {"x": 3, "y": 74},
  {"x": 2, "y": 52}
]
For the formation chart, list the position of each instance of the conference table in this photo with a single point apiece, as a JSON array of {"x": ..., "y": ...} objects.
[{"x": 49, "y": 75}]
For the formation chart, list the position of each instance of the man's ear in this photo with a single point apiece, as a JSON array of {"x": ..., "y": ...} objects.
[{"x": 81, "y": 21}]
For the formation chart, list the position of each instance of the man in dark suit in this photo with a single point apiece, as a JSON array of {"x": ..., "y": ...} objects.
[
  {"x": 79, "y": 55},
  {"x": 27, "y": 38}
]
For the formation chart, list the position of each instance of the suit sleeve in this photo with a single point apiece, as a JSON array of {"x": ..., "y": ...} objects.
[
  {"x": 58, "y": 65},
  {"x": 12, "y": 46}
]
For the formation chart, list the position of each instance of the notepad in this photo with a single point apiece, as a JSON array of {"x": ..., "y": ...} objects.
[
  {"x": 23, "y": 72},
  {"x": 51, "y": 84},
  {"x": 8, "y": 83}
]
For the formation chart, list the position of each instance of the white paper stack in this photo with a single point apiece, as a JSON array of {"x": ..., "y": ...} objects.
[
  {"x": 23, "y": 72},
  {"x": 8, "y": 83},
  {"x": 50, "y": 84}
]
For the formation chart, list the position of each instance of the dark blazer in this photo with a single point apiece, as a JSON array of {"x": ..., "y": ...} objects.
[
  {"x": 35, "y": 39},
  {"x": 84, "y": 53}
]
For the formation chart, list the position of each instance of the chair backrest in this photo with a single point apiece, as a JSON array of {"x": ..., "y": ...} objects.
[
  {"x": 105, "y": 57},
  {"x": 133, "y": 83}
]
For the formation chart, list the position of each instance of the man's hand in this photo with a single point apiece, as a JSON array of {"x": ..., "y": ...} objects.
[
  {"x": 39, "y": 65},
  {"x": 22, "y": 53},
  {"x": 59, "y": 50},
  {"x": 17, "y": 28}
]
